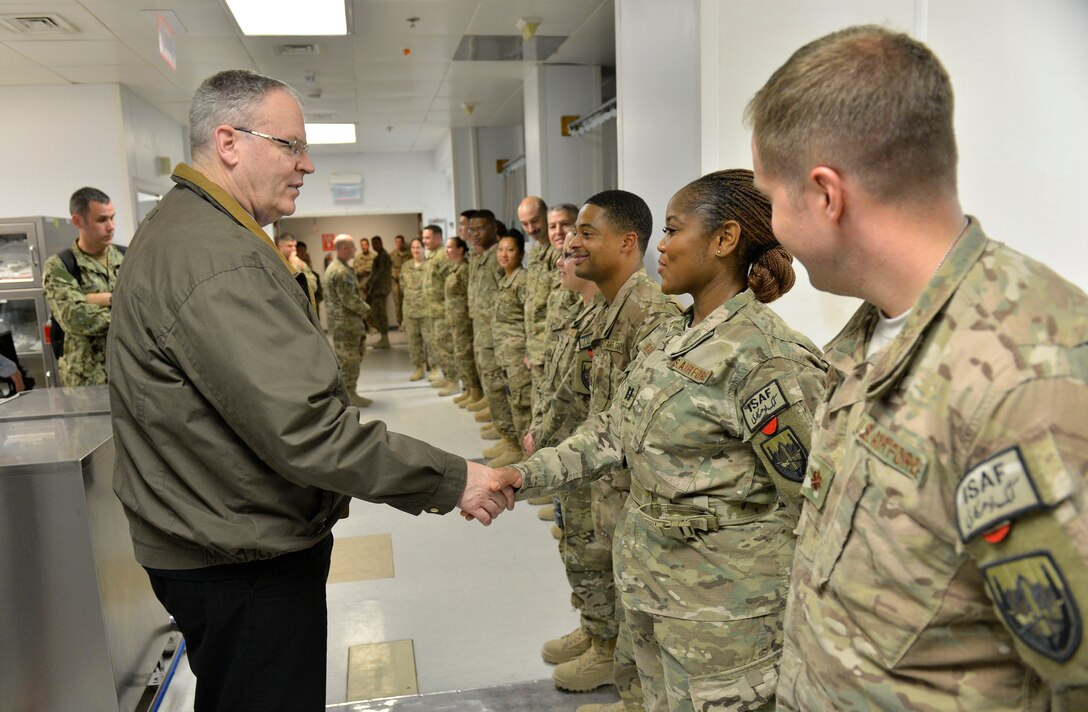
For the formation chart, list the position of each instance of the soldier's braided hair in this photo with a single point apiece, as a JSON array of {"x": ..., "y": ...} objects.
[{"x": 731, "y": 195}]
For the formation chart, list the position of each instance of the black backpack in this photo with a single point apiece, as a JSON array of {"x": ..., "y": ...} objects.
[{"x": 68, "y": 259}]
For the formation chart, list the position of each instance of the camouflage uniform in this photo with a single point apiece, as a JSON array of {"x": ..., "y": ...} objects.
[
  {"x": 509, "y": 330},
  {"x": 399, "y": 259},
  {"x": 561, "y": 405},
  {"x": 346, "y": 311},
  {"x": 541, "y": 280},
  {"x": 942, "y": 558},
  {"x": 415, "y": 307},
  {"x": 457, "y": 316},
  {"x": 637, "y": 309},
  {"x": 483, "y": 286},
  {"x": 85, "y": 325},
  {"x": 713, "y": 421},
  {"x": 437, "y": 267},
  {"x": 363, "y": 265},
  {"x": 378, "y": 286}
]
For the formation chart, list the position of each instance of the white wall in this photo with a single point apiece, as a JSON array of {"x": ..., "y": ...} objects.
[
  {"x": 392, "y": 183},
  {"x": 149, "y": 133},
  {"x": 61, "y": 138},
  {"x": 466, "y": 175},
  {"x": 657, "y": 93},
  {"x": 1020, "y": 74},
  {"x": 492, "y": 144}
]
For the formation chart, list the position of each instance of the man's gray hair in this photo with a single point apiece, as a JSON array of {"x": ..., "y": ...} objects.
[
  {"x": 228, "y": 98},
  {"x": 567, "y": 208}
]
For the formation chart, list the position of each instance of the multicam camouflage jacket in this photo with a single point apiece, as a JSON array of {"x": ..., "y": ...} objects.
[
  {"x": 942, "y": 559},
  {"x": 508, "y": 325},
  {"x": 342, "y": 298},
  {"x": 713, "y": 418},
  {"x": 435, "y": 270},
  {"x": 483, "y": 284},
  {"x": 85, "y": 325},
  {"x": 411, "y": 286},
  {"x": 542, "y": 278}
]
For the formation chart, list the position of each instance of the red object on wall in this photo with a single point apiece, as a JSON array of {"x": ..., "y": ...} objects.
[{"x": 326, "y": 242}]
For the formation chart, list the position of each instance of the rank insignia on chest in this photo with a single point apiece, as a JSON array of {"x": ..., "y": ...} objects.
[
  {"x": 817, "y": 479},
  {"x": 629, "y": 394},
  {"x": 1036, "y": 602},
  {"x": 769, "y": 400},
  {"x": 786, "y": 454}
]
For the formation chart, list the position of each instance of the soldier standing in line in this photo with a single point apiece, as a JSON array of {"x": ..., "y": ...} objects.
[
  {"x": 288, "y": 247},
  {"x": 415, "y": 309},
  {"x": 460, "y": 321},
  {"x": 399, "y": 256},
  {"x": 713, "y": 419},
  {"x": 378, "y": 286},
  {"x": 439, "y": 352},
  {"x": 942, "y": 553},
  {"x": 540, "y": 281},
  {"x": 483, "y": 288},
  {"x": 81, "y": 304},
  {"x": 347, "y": 313},
  {"x": 509, "y": 333},
  {"x": 562, "y": 404}
]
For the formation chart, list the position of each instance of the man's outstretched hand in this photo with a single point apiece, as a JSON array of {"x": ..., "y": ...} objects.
[{"x": 488, "y": 492}]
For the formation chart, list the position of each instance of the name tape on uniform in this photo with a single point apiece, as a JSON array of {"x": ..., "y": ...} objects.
[
  {"x": 995, "y": 491},
  {"x": 892, "y": 449}
]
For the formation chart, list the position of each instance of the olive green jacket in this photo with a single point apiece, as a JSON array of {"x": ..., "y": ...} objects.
[{"x": 234, "y": 439}]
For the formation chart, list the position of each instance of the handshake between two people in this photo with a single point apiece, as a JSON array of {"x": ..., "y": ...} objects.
[{"x": 488, "y": 491}]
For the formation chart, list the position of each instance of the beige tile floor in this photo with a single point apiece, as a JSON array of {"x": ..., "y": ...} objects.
[{"x": 476, "y": 603}]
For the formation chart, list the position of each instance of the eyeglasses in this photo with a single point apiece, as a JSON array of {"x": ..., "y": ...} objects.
[{"x": 297, "y": 147}]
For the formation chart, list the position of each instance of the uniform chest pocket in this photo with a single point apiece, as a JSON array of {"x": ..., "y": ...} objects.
[
  {"x": 838, "y": 520},
  {"x": 647, "y": 403}
]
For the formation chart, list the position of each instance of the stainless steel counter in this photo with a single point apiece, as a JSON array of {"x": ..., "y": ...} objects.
[{"x": 80, "y": 628}]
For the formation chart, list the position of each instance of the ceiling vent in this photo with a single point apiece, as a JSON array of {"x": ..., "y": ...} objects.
[
  {"x": 298, "y": 50},
  {"x": 37, "y": 24}
]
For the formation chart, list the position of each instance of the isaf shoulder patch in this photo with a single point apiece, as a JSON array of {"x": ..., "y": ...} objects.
[
  {"x": 766, "y": 402},
  {"x": 995, "y": 492},
  {"x": 1034, "y": 599}
]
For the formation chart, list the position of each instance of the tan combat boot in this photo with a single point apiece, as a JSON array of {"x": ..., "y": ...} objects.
[
  {"x": 488, "y": 432},
  {"x": 473, "y": 396},
  {"x": 543, "y": 499},
  {"x": 546, "y": 513},
  {"x": 478, "y": 404},
  {"x": 495, "y": 450},
  {"x": 383, "y": 343},
  {"x": 463, "y": 396},
  {"x": 483, "y": 416},
  {"x": 434, "y": 376},
  {"x": 566, "y": 648},
  {"x": 451, "y": 388},
  {"x": 512, "y": 454},
  {"x": 557, "y": 533},
  {"x": 589, "y": 670},
  {"x": 417, "y": 375}
]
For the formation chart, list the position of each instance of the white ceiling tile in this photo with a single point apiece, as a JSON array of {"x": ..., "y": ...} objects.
[
  {"x": 12, "y": 58},
  {"x": 557, "y": 17},
  {"x": 25, "y": 76},
  {"x": 72, "y": 52},
  {"x": 87, "y": 27}
]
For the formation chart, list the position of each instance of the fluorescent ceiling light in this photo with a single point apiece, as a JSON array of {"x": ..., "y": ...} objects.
[
  {"x": 290, "y": 17},
  {"x": 330, "y": 133}
]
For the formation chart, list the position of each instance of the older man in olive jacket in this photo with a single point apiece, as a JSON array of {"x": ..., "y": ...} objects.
[{"x": 232, "y": 462}]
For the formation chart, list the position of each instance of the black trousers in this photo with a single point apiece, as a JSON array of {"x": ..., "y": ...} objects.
[{"x": 256, "y": 633}]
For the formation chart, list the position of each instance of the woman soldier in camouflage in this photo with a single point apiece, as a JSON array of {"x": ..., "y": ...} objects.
[
  {"x": 415, "y": 308},
  {"x": 713, "y": 421},
  {"x": 509, "y": 329},
  {"x": 460, "y": 321}
]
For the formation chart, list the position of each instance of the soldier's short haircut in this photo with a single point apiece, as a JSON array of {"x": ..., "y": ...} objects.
[
  {"x": 467, "y": 214},
  {"x": 868, "y": 101},
  {"x": 484, "y": 214},
  {"x": 435, "y": 229},
  {"x": 229, "y": 98},
  {"x": 284, "y": 237},
  {"x": 570, "y": 209},
  {"x": 626, "y": 212},
  {"x": 81, "y": 200}
]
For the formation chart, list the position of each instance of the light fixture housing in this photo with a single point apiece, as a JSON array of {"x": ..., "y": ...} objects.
[
  {"x": 317, "y": 134},
  {"x": 290, "y": 18}
]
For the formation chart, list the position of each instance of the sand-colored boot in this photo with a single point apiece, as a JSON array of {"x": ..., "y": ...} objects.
[
  {"x": 546, "y": 513},
  {"x": 588, "y": 671},
  {"x": 483, "y": 416},
  {"x": 383, "y": 343},
  {"x": 543, "y": 499},
  {"x": 451, "y": 388},
  {"x": 463, "y": 397},
  {"x": 495, "y": 450},
  {"x": 417, "y": 375},
  {"x": 474, "y": 396},
  {"x": 434, "y": 376},
  {"x": 488, "y": 432},
  {"x": 566, "y": 648},
  {"x": 479, "y": 404},
  {"x": 512, "y": 455},
  {"x": 603, "y": 707}
]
